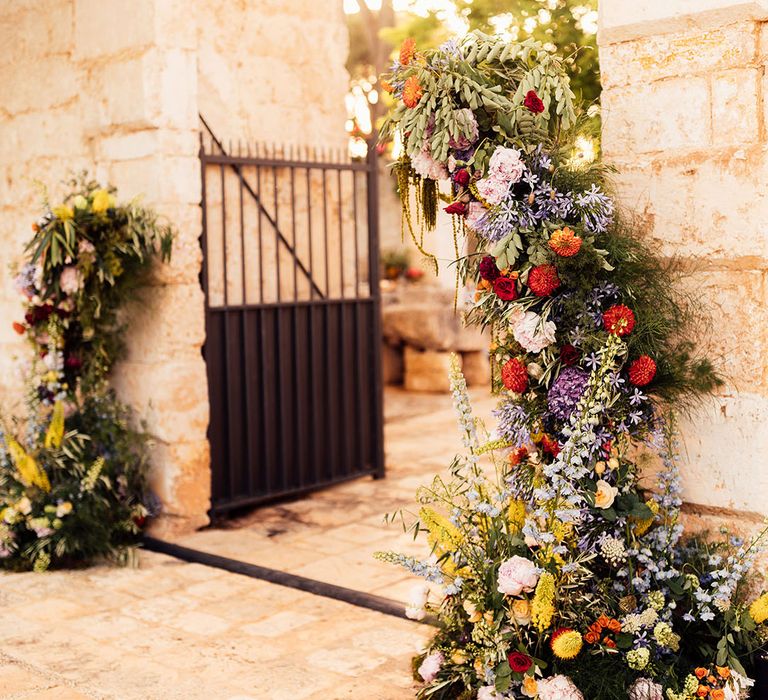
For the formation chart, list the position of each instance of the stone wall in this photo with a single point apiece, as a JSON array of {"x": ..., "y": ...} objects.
[
  {"x": 116, "y": 89},
  {"x": 684, "y": 119}
]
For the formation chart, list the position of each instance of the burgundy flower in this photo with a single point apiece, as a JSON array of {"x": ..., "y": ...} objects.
[
  {"x": 73, "y": 362},
  {"x": 569, "y": 355},
  {"x": 461, "y": 177},
  {"x": 456, "y": 208},
  {"x": 488, "y": 269},
  {"x": 533, "y": 102},
  {"x": 505, "y": 288},
  {"x": 519, "y": 662}
]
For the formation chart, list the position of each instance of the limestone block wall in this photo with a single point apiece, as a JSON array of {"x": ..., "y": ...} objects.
[
  {"x": 684, "y": 119},
  {"x": 116, "y": 88}
]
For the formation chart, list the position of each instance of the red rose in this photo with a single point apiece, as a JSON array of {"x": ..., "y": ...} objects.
[
  {"x": 514, "y": 375},
  {"x": 488, "y": 269},
  {"x": 19, "y": 327},
  {"x": 456, "y": 208},
  {"x": 519, "y": 662},
  {"x": 642, "y": 371},
  {"x": 569, "y": 355},
  {"x": 533, "y": 102},
  {"x": 73, "y": 362},
  {"x": 619, "y": 319},
  {"x": 505, "y": 289},
  {"x": 461, "y": 177},
  {"x": 543, "y": 280}
]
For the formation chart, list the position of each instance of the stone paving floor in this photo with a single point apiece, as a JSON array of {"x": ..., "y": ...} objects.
[{"x": 168, "y": 630}]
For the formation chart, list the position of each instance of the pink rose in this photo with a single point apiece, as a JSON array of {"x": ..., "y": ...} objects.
[
  {"x": 506, "y": 164},
  {"x": 517, "y": 575},
  {"x": 431, "y": 666}
]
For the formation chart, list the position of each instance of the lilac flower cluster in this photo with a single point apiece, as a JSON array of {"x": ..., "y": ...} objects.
[
  {"x": 564, "y": 394},
  {"x": 512, "y": 423}
]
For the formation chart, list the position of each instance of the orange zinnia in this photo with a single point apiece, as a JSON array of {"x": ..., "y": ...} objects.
[
  {"x": 565, "y": 242},
  {"x": 387, "y": 87},
  {"x": 407, "y": 50},
  {"x": 412, "y": 91}
]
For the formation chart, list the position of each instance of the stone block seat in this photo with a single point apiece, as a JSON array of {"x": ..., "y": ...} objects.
[{"x": 421, "y": 330}]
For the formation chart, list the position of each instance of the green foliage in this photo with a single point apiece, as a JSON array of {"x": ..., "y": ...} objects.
[
  {"x": 73, "y": 472},
  {"x": 561, "y": 23}
]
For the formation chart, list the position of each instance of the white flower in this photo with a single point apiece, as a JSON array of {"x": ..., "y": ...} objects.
[
  {"x": 517, "y": 575},
  {"x": 558, "y": 688},
  {"x": 417, "y": 599},
  {"x": 535, "y": 370},
  {"x": 531, "y": 332},
  {"x": 741, "y": 687},
  {"x": 605, "y": 494},
  {"x": 431, "y": 666},
  {"x": 506, "y": 164},
  {"x": 70, "y": 280},
  {"x": 426, "y": 166},
  {"x": 645, "y": 689},
  {"x": 487, "y": 692}
]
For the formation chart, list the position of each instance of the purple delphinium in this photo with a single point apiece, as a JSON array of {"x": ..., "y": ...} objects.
[
  {"x": 513, "y": 423},
  {"x": 565, "y": 392}
]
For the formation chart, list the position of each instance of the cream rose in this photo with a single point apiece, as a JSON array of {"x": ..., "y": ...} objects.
[
  {"x": 605, "y": 494},
  {"x": 521, "y": 612}
]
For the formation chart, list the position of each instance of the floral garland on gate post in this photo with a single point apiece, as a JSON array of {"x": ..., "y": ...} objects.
[
  {"x": 565, "y": 575},
  {"x": 73, "y": 472}
]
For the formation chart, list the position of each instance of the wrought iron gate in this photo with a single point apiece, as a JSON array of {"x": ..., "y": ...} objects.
[{"x": 293, "y": 335}]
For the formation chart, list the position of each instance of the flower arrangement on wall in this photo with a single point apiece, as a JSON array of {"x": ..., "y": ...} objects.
[
  {"x": 565, "y": 572},
  {"x": 73, "y": 471}
]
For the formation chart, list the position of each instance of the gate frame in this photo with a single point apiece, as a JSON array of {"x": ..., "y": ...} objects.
[{"x": 370, "y": 167}]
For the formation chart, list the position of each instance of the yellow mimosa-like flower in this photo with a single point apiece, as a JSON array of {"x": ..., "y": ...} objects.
[
  {"x": 642, "y": 526},
  {"x": 758, "y": 611},
  {"x": 102, "y": 200},
  {"x": 543, "y": 606},
  {"x": 28, "y": 470}
]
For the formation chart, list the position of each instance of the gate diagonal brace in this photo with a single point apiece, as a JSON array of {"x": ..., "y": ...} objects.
[{"x": 263, "y": 210}]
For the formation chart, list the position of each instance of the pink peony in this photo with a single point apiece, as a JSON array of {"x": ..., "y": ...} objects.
[
  {"x": 531, "y": 331},
  {"x": 492, "y": 189},
  {"x": 426, "y": 166},
  {"x": 558, "y": 688},
  {"x": 431, "y": 666},
  {"x": 506, "y": 164},
  {"x": 645, "y": 689},
  {"x": 517, "y": 575},
  {"x": 475, "y": 212},
  {"x": 70, "y": 280}
]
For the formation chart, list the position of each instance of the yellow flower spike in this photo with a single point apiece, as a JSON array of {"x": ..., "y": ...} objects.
[
  {"x": 102, "y": 200},
  {"x": 442, "y": 532},
  {"x": 55, "y": 433},
  {"x": 30, "y": 474},
  {"x": 517, "y": 515},
  {"x": 542, "y": 607},
  {"x": 758, "y": 611}
]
